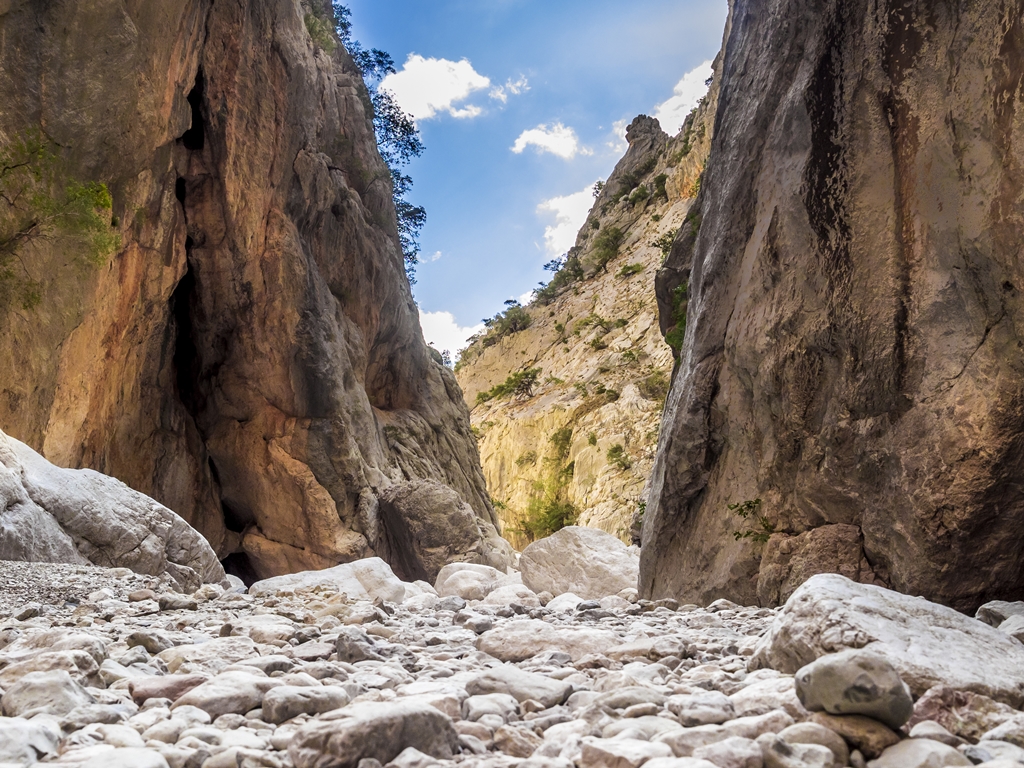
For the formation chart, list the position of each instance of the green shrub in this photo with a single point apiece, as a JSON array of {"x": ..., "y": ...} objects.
[
  {"x": 606, "y": 246},
  {"x": 519, "y": 384},
  {"x": 528, "y": 458},
  {"x": 761, "y": 528},
  {"x": 320, "y": 32},
  {"x": 630, "y": 269},
  {"x": 664, "y": 243},
  {"x": 674, "y": 338},
  {"x": 617, "y": 455},
  {"x": 659, "y": 188},
  {"x": 562, "y": 440},
  {"x": 654, "y": 387},
  {"x": 39, "y": 203},
  {"x": 592, "y": 438},
  {"x": 566, "y": 272},
  {"x": 640, "y": 194}
]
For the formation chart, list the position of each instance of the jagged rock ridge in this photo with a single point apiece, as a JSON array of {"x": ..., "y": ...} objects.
[
  {"x": 252, "y": 356},
  {"x": 604, "y": 365},
  {"x": 852, "y": 353}
]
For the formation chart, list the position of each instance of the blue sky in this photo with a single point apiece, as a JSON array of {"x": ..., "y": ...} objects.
[{"x": 521, "y": 105}]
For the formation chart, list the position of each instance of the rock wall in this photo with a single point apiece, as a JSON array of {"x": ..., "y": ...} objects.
[
  {"x": 604, "y": 365},
  {"x": 853, "y": 346},
  {"x": 252, "y": 356}
]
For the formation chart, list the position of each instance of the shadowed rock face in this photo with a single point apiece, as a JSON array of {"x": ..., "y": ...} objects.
[
  {"x": 252, "y": 357},
  {"x": 853, "y": 350}
]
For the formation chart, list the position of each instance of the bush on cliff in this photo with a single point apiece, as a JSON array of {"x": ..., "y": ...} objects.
[{"x": 38, "y": 202}]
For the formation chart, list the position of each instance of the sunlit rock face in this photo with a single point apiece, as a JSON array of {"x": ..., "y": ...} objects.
[
  {"x": 853, "y": 352},
  {"x": 251, "y": 357},
  {"x": 604, "y": 364}
]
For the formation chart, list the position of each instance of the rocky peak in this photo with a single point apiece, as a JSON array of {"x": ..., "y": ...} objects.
[{"x": 578, "y": 444}]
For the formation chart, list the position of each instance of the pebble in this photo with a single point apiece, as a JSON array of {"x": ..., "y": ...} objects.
[{"x": 115, "y": 669}]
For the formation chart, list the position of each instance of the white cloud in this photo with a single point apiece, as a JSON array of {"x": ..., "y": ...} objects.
[
  {"x": 688, "y": 91},
  {"x": 618, "y": 144},
  {"x": 556, "y": 139},
  {"x": 570, "y": 212},
  {"x": 427, "y": 87},
  {"x": 434, "y": 256},
  {"x": 501, "y": 92},
  {"x": 527, "y": 297},
  {"x": 441, "y": 330}
]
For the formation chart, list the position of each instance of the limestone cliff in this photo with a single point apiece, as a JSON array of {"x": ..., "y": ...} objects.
[
  {"x": 251, "y": 357},
  {"x": 853, "y": 343},
  {"x": 585, "y": 437}
]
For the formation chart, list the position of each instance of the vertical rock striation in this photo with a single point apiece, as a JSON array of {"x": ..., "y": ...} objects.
[
  {"x": 853, "y": 352},
  {"x": 252, "y": 357}
]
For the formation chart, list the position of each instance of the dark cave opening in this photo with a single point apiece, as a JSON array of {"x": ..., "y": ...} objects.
[
  {"x": 238, "y": 564},
  {"x": 179, "y": 191},
  {"x": 186, "y": 355},
  {"x": 195, "y": 137},
  {"x": 235, "y": 519}
]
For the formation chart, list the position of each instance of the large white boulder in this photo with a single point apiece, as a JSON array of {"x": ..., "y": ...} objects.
[
  {"x": 366, "y": 579},
  {"x": 585, "y": 561},
  {"x": 469, "y": 581},
  {"x": 928, "y": 644},
  {"x": 54, "y": 515}
]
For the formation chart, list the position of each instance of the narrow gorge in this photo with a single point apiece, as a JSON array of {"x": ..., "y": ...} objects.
[{"x": 739, "y": 487}]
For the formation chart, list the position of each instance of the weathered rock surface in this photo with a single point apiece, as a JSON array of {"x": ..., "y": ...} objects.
[
  {"x": 585, "y": 561},
  {"x": 59, "y": 515},
  {"x": 251, "y": 357},
  {"x": 927, "y": 644},
  {"x": 852, "y": 350},
  {"x": 426, "y": 525}
]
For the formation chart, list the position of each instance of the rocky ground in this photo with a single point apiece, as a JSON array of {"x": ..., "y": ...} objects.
[{"x": 351, "y": 667}]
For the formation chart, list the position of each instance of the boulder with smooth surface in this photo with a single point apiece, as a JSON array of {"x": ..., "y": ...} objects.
[
  {"x": 80, "y": 516},
  {"x": 855, "y": 682},
  {"x": 927, "y": 644},
  {"x": 373, "y": 730},
  {"x": 585, "y": 561},
  {"x": 367, "y": 579},
  {"x": 919, "y": 753}
]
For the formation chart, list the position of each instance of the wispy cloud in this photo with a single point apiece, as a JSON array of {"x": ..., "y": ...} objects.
[
  {"x": 570, "y": 212},
  {"x": 618, "y": 144},
  {"x": 429, "y": 87},
  {"x": 673, "y": 111},
  {"x": 502, "y": 92},
  {"x": 557, "y": 139}
]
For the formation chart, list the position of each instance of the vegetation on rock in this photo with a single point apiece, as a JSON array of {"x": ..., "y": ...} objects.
[
  {"x": 398, "y": 138},
  {"x": 519, "y": 384},
  {"x": 38, "y": 202}
]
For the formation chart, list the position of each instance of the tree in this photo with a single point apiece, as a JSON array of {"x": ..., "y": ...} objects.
[
  {"x": 398, "y": 138},
  {"x": 37, "y": 202}
]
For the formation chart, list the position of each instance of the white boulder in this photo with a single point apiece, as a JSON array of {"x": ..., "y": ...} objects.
[
  {"x": 78, "y": 516},
  {"x": 367, "y": 579},
  {"x": 585, "y": 561},
  {"x": 927, "y": 644}
]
